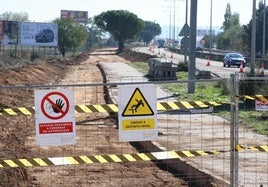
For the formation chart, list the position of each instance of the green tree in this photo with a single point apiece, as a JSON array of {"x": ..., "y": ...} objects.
[
  {"x": 121, "y": 24},
  {"x": 14, "y": 16},
  {"x": 150, "y": 30},
  {"x": 230, "y": 37},
  {"x": 94, "y": 35},
  {"x": 259, "y": 29},
  {"x": 72, "y": 35},
  {"x": 207, "y": 39}
]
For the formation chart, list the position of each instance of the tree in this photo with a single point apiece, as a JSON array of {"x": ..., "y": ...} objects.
[
  {"x": 150, "y": 30},
  {"x": 121, "y": 24},
  {"x": 231, "y": 36},
  {"x": 259, "y": 29},
  {"x": 72, "y": 35},
  {"x": 94, "y": 35},
  {"x": 13, "y": 16}
]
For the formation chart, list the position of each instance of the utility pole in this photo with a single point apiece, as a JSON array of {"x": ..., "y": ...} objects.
[
  {"x": 186, "y": 40},
  {"x": 191, "y": 75},
  {"x": 253, "y": 40},
  {"x": 210, "y": 31},
  {"x": 174, "y": 20},
  {"x": 263, "y": 31}
]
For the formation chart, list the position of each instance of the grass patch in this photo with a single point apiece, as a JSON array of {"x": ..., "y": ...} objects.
[
  {"x": 211, "y": 91},
  {"x": 204, "y": 91},
  {"x": 255, "y": 120}
]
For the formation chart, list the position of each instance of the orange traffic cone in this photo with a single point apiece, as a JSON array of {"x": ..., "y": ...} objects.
[
  {"x": 241, "y": 67},
  {"x": 262, "y": 70},
  {"x": 208, "y": 64}
]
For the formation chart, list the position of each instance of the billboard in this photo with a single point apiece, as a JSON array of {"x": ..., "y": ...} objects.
[
  {"x": 39, "y": 34},
  {"x": 8, "y": 32},
  {"x": 79, "y": 16}
]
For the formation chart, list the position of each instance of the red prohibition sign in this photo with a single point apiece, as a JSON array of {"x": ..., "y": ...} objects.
[{"x": 61, "y": 112}]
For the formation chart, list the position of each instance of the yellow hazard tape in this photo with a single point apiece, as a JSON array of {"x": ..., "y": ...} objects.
[
  {"x": 256, "y": 97},
  {"x": 116, "y": 158},
  {"x": 161, "y": 106}
]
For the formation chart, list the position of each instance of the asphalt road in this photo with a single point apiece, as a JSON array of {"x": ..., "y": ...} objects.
[{"x": 215, "y": 67}]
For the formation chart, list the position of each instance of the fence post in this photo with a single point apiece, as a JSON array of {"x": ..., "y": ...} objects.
[{"x": 234, "y": 129}]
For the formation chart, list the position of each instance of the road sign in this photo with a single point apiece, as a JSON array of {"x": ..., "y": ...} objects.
[
  {"x": 185, "y": 31},
  {"x": 202, "y": 42},
  {"x": 137, "y": 113},
  {"x": 54, "y": 114}
]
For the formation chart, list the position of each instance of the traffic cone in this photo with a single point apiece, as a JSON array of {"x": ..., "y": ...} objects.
[
  {"x": 171, "y": 55},
  {"x": 208, "y": 63},
  {"x": 241, "y": 67},
  {"x": 262, "y": 70}
]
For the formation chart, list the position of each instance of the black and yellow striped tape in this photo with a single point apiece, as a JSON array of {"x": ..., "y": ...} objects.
[
  {"x": 116, "y": 158},
  {"x": 112, "y": 158},
  {"x": 256, "y": 97},
  {"x": 161, "y": 106}
]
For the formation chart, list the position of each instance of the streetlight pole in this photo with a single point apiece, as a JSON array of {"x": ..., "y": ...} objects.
[
  {"x": 210, "y": 30},
  {"x": 253, "y": 39},
  {"x": 191, "y": 75},
  {"x": 174, "y": 19},
  {"x": 186, "y": 40},
  {"x": 263, "y": 31}
]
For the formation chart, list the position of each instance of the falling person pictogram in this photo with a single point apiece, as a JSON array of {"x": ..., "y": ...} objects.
[{"x": 136, "y": 106}]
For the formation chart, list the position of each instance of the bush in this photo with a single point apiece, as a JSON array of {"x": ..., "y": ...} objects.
[{"x": 34, "y": 55}]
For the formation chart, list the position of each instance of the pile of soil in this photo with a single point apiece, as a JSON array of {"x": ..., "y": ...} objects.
[{"x": 17, "y": 133}]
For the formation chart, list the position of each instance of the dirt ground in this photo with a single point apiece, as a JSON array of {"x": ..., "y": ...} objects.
[{"x": 96, "y": 133}]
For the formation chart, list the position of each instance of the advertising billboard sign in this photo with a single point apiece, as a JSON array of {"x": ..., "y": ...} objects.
[
  {"x": 39, "y": 34},
  {"x": 79, "y": 16},
  {"x": 8, "y": 32}
]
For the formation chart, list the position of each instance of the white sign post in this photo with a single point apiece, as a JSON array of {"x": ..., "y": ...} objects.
[
  {"x": 137, "y": 113},
  {"x": 54, "y": 116}
]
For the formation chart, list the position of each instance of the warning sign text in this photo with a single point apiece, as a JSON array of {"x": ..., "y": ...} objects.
[
  {"x": 138, "y": 124},
  {"x": 61, "y": 127}
]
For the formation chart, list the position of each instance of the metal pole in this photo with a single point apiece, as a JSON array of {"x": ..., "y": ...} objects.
[
  {"x": 186, "y": 40},
  {"x": 191, "y": 75},
  {"x": 263, "y": 32},
  {"x": 234, "y": 130},
  {"x": 174, "y": 19},
  {"x": 253, "y": 40},
  {"x": 210, "y": 30},
  {"x": 170, "y": 22}
]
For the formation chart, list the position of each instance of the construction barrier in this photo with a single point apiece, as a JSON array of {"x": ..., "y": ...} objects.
[
  {"x": 115, "y": 158},
  {"x": 161, "y": 106}
]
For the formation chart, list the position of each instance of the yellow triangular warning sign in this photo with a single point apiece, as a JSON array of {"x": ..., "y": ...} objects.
[{"x": 137, "y": 105}]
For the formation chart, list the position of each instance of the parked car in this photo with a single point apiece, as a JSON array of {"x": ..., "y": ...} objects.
[
  {"x": 45, "y": 35},
  {"x": 234, "y": 59}
]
